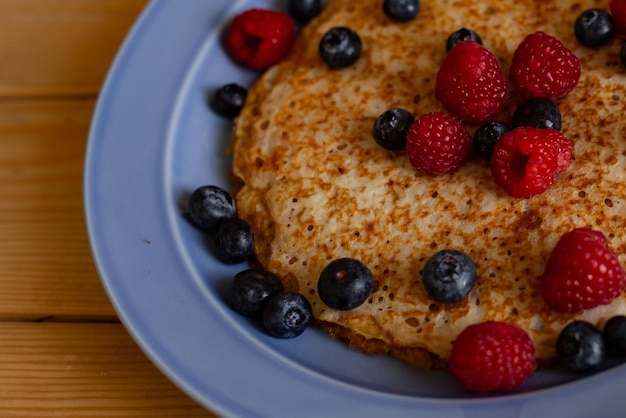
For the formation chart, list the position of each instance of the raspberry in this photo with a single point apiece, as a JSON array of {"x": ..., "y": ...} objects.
[
  {"x": 438, "y": 143},
  {"x": 492, "y": 356},
  {"x": 582, "y": 272},
  {"x": 543, "y": 67},
  {"x": 260, "y": 38},
  {"x": 471, "y": 84},
  {"x": 618, "y": 11},
  {"x": 526, "y": 161}
]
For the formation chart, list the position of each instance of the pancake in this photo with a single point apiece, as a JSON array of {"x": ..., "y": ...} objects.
[{"x": 315, "y": 186}]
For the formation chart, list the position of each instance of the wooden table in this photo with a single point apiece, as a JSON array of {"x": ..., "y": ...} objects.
[{"x": 63, "y": 351}]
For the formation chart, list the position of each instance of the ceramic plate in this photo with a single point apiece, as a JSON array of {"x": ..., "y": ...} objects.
[{"x": 153, "y": 141}]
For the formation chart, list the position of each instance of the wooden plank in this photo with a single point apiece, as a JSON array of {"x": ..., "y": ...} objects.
[
  {"x": 46, "y": 268},
  {"x": 83, "y": 370},
  {"x": 60, "y": 47}
]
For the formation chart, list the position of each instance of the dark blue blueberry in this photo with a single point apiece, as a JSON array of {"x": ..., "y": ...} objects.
[
  {"x": 286, "y": 315},
  {"x": 622, "y": 54},
  {"x": 340, "y": 47},
  {"x": 305, "y": 10},
  {"x": 391, "y": 127},
  {"x": 580, "y": 346},
  {"x": 345, "y": 283},
  {"x": 461, "y": 35},
  {"x": 594, "y": 28},
  {"x": 401, "y": 10},
  {"x": 487, "y": 136},
  {"x": 250, "y": 290},
  {"x": 208, "y": 205},
  {"x": 228, "y": 100},
  {"x": 449, "y": 276},
  {"x": 234, "y": 240},
  {"x": 538, "y": 112},
  {"x": 614, "y": 334}
]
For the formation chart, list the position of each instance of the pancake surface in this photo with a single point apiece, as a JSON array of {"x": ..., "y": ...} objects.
[{"x": 317, "y": 187}]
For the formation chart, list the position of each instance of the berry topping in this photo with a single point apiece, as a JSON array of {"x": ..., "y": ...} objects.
[
  {"x": 580, "y": 346},
  {"x": 286, "y": 315},
  {"x": 618, "y": 12},
  {"x": 492, "y": 356},
  {"x": 582, "y": 272},
  {"x": 526, "y": 161},
  {"x": 537, "y": 112},
  {"x": 234, "y": 240},
  {"x": 390, "y": 128},
  {"x": 228, "y": 100},
  {"x": 250, "y": 290},
  {"x": 438, "y": 143},
  {"x": 260, "y": 38},
  {"x": 401, "y": 10},
  {"x": 345, "y": 283},
  {"x": 487, "y": 136},
  {"x": 461, "y": 35},
  {"x": 340, "y": 47},
  {"x": 594, "y": 28},
  {"x": 470, "y": 83},
  {"x": 208, "y": 205},
  {"x": 543, "y": 67},
  {"x": 449, "y": 276},
  {"x": 305, "y": 10},
  {"x": 614, "y": 335}
]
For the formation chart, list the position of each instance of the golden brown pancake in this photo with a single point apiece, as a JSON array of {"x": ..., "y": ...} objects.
[{"x": 317, "y": 187}]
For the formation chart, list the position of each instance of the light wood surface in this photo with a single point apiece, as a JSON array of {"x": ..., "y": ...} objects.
[{"x": 63, "y": 351}]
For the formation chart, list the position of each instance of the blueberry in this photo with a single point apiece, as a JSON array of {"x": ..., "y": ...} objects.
[
  {"x": 487, "y": 136},
  {"x": 305, "y": 10},
  {"x": 614, "y": 334},
  {"x": 391, "y": 127},
  {"x": 345, "y": 283},
  {"x": 286, "y": 315},
  {"x": 250, "y": 290},
  {"x": 208, "y": 205},
  {"x": 401, "y": 10},
  {"x": 228, "y": 100},
  {"x": 449, "y": 276},
  {"x": 340, "y": 47},
  {"x": 234, "y": 240},
  {"x": 461, "y": 35},
  {"x": 580, "y": 346},
  {"x": 538, "y": 112},
  {"x": 594, "y": 28}
]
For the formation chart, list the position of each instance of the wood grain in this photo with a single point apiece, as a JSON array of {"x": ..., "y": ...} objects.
[{"x": 82, "y": 370}]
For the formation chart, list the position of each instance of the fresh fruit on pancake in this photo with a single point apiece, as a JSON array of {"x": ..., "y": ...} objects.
[
  {"x": 492, "y": 356},
  {"x": 543, "y": 67},
  {"x": 487, "y": 136},
  {"x": 471, "y": 84},
  {"x": 580, "y": 346},
  {"x": 316, "y": 187},
  {"x": 286, "y": 315},
  {"x": 391, "y": 127},
  {"x": 527, "y": 160},
  {"x": 582, "y": 272},
  {"x": 614, "y": 335},
  {"x": 618, "y": 12},
  {"x": 401, "y": 10},
  {"x": 438, "y": 143},
  {"x": 449, "y": 276},
  {"x": 260, "y": 38},
  {"x": 250, "y": 290},
  {"x": 305, "y": 10},
  {"x": 345, "y": 283},
  {"x": 461, "y": 35}
]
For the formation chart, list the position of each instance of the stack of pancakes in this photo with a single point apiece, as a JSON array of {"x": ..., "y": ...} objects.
[{"x": 316, "y": 186}]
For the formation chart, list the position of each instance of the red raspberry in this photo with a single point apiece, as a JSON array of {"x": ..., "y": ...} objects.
[
  {"x": 471, "y": 84},
  {"x": 492, "y": 356},
  {"x": 543, "y": 67},
  {"x": 260, "y": 38},
  {"x": 438, "y": 143},
  {"x": 618, "y": 11},
  {"x": 582, "y": 272},
  {"x": 526, "y": 160}
]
